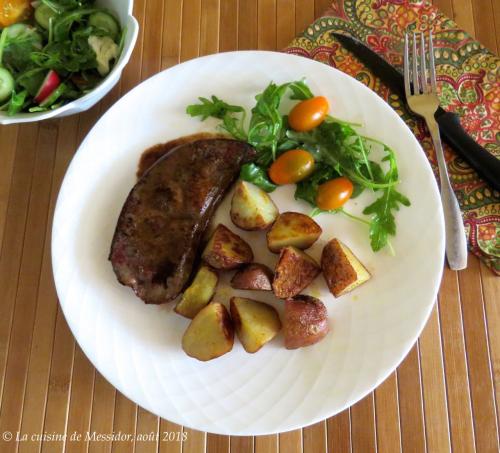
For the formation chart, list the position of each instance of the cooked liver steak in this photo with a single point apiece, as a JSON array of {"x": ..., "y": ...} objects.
[{"x": 166, "y": 213}]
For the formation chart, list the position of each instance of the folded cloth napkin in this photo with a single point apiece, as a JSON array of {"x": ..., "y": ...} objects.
[{"x": 468, "y": 84}]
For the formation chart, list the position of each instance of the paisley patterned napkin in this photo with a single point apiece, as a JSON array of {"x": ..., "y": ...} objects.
[{"x": 468, "y": 84}]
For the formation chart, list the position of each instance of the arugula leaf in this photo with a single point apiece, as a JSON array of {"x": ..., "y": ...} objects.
[
  {"x": 317, "y": 211},
  {"x": 267, "y": 122},
  {"x": 357, "y": 190},
  {"x": 300, "y": 91},
  {"x": 307, "y": 189},
  {"x": 333, "y": 144},
  {"x": 267, "y": 132},
  {"x": 67, "y": 20},
  {"x": 258, "y": 176},
  {"x": 65, "y": 5},
  {"x": 18, "y": 42},
  {"x": 16, "y": 102},
  {"x": 216, "y": 108},
  {"x": 66, "y": 57},
  {"x": 70, "y": 56},
  {"x": 267, "y": 129},
  {"x": 31, "y": 80},
  {"x": 383, "y": 223}
]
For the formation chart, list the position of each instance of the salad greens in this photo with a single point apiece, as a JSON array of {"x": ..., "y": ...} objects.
[
  {"x": 266, "y": 132},
  {"x": 61, "y": 53},
  {"x": 337, "y": 147},
  {"x": 216, "y": 108},
  {"x": 258, "y": 176}
]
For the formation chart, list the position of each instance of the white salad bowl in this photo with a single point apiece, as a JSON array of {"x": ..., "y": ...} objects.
[{"x": 123, "y": 11}]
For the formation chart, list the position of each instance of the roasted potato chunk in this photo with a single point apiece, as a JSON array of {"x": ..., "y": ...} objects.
[
  {"x": 226, "y": 250},
  {"x": 305, "y": 322},
  {"x": 256, "y": 323},
  {"x": 199, "y": 293},
  {"x": 253, "y": 276},
  {"x": 252, "y": 208},
  {"x": 294, "y": 271},
  {"x": 210, "y": 334},
  {"x": 293, "y": 228},
  {"x": 342, "y": 270}
]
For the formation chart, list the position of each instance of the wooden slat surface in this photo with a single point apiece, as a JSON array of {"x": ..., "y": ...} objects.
[
  {"x": 387, "y": 415},
  {"x": 363, "y": 436},
  {"x": 444, "y": 397}
]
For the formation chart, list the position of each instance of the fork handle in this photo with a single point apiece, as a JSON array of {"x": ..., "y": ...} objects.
[
  {"x": 456, "y": 242},
  {"x": 485, "y": 163}
]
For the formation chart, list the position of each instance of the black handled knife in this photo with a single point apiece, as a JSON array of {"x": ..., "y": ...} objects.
[{"x": 486, "y": 164}]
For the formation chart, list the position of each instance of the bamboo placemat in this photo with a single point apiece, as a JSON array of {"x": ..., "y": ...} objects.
[{"x": 442, "y": 396}]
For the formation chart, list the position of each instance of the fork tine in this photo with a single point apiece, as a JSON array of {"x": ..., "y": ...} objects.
[
  {"x": 406, "y": 69},
  {"x": 432, "y": 67},
  {"x": 416, "y": 88},
  {"x": 423, "y": 70}
]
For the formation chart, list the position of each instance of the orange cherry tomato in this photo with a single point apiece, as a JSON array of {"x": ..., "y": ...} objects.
[
  {"x": 291, "y": 166},
  {"x": 334, "y": 193},
  {"x": 12, "y": 11},
  {"x": 308, "y": 114}
]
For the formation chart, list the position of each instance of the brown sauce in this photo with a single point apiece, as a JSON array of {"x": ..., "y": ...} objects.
[{"x": 151, "y": 155}]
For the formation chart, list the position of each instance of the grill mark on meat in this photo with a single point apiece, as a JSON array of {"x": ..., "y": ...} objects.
[{"x": 165, "y": 215}]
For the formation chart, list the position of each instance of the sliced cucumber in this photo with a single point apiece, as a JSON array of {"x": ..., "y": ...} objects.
[
  {"x": 24, "y": 30},
  {"x": 105, "y": 22},
  {"x": 43, "y": 14},
  {"x": 16, "y": 30},
  {"x": 6, "y": 84}
]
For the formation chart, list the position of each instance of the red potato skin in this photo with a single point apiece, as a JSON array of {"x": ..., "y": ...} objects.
[
  {"x": 227, "y": 324},
  {"x": 253, "y": 276},
  {"x": 305, "y": 322},
  {"x": 293, "y": 273},
  {"x": 235, "y": 316}
]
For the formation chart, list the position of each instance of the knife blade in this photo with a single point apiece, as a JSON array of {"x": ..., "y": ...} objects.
[{"x": 485, "y": 163}]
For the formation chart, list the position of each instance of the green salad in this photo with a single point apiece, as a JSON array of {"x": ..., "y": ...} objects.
[
  {"x": 327, "y": 158},
  {"x": 61, "y": 53}
]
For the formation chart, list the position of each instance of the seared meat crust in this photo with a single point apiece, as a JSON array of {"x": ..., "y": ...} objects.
[{"x": 166, "y": 213}]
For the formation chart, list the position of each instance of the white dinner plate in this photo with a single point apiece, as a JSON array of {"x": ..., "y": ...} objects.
[{"x": 138, "y": 347}]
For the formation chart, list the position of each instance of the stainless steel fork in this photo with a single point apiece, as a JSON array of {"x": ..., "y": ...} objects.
[{"x": 424, "y": 102}]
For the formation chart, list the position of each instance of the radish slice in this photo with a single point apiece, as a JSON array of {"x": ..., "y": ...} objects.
[{"x": 50, "y": 83}]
